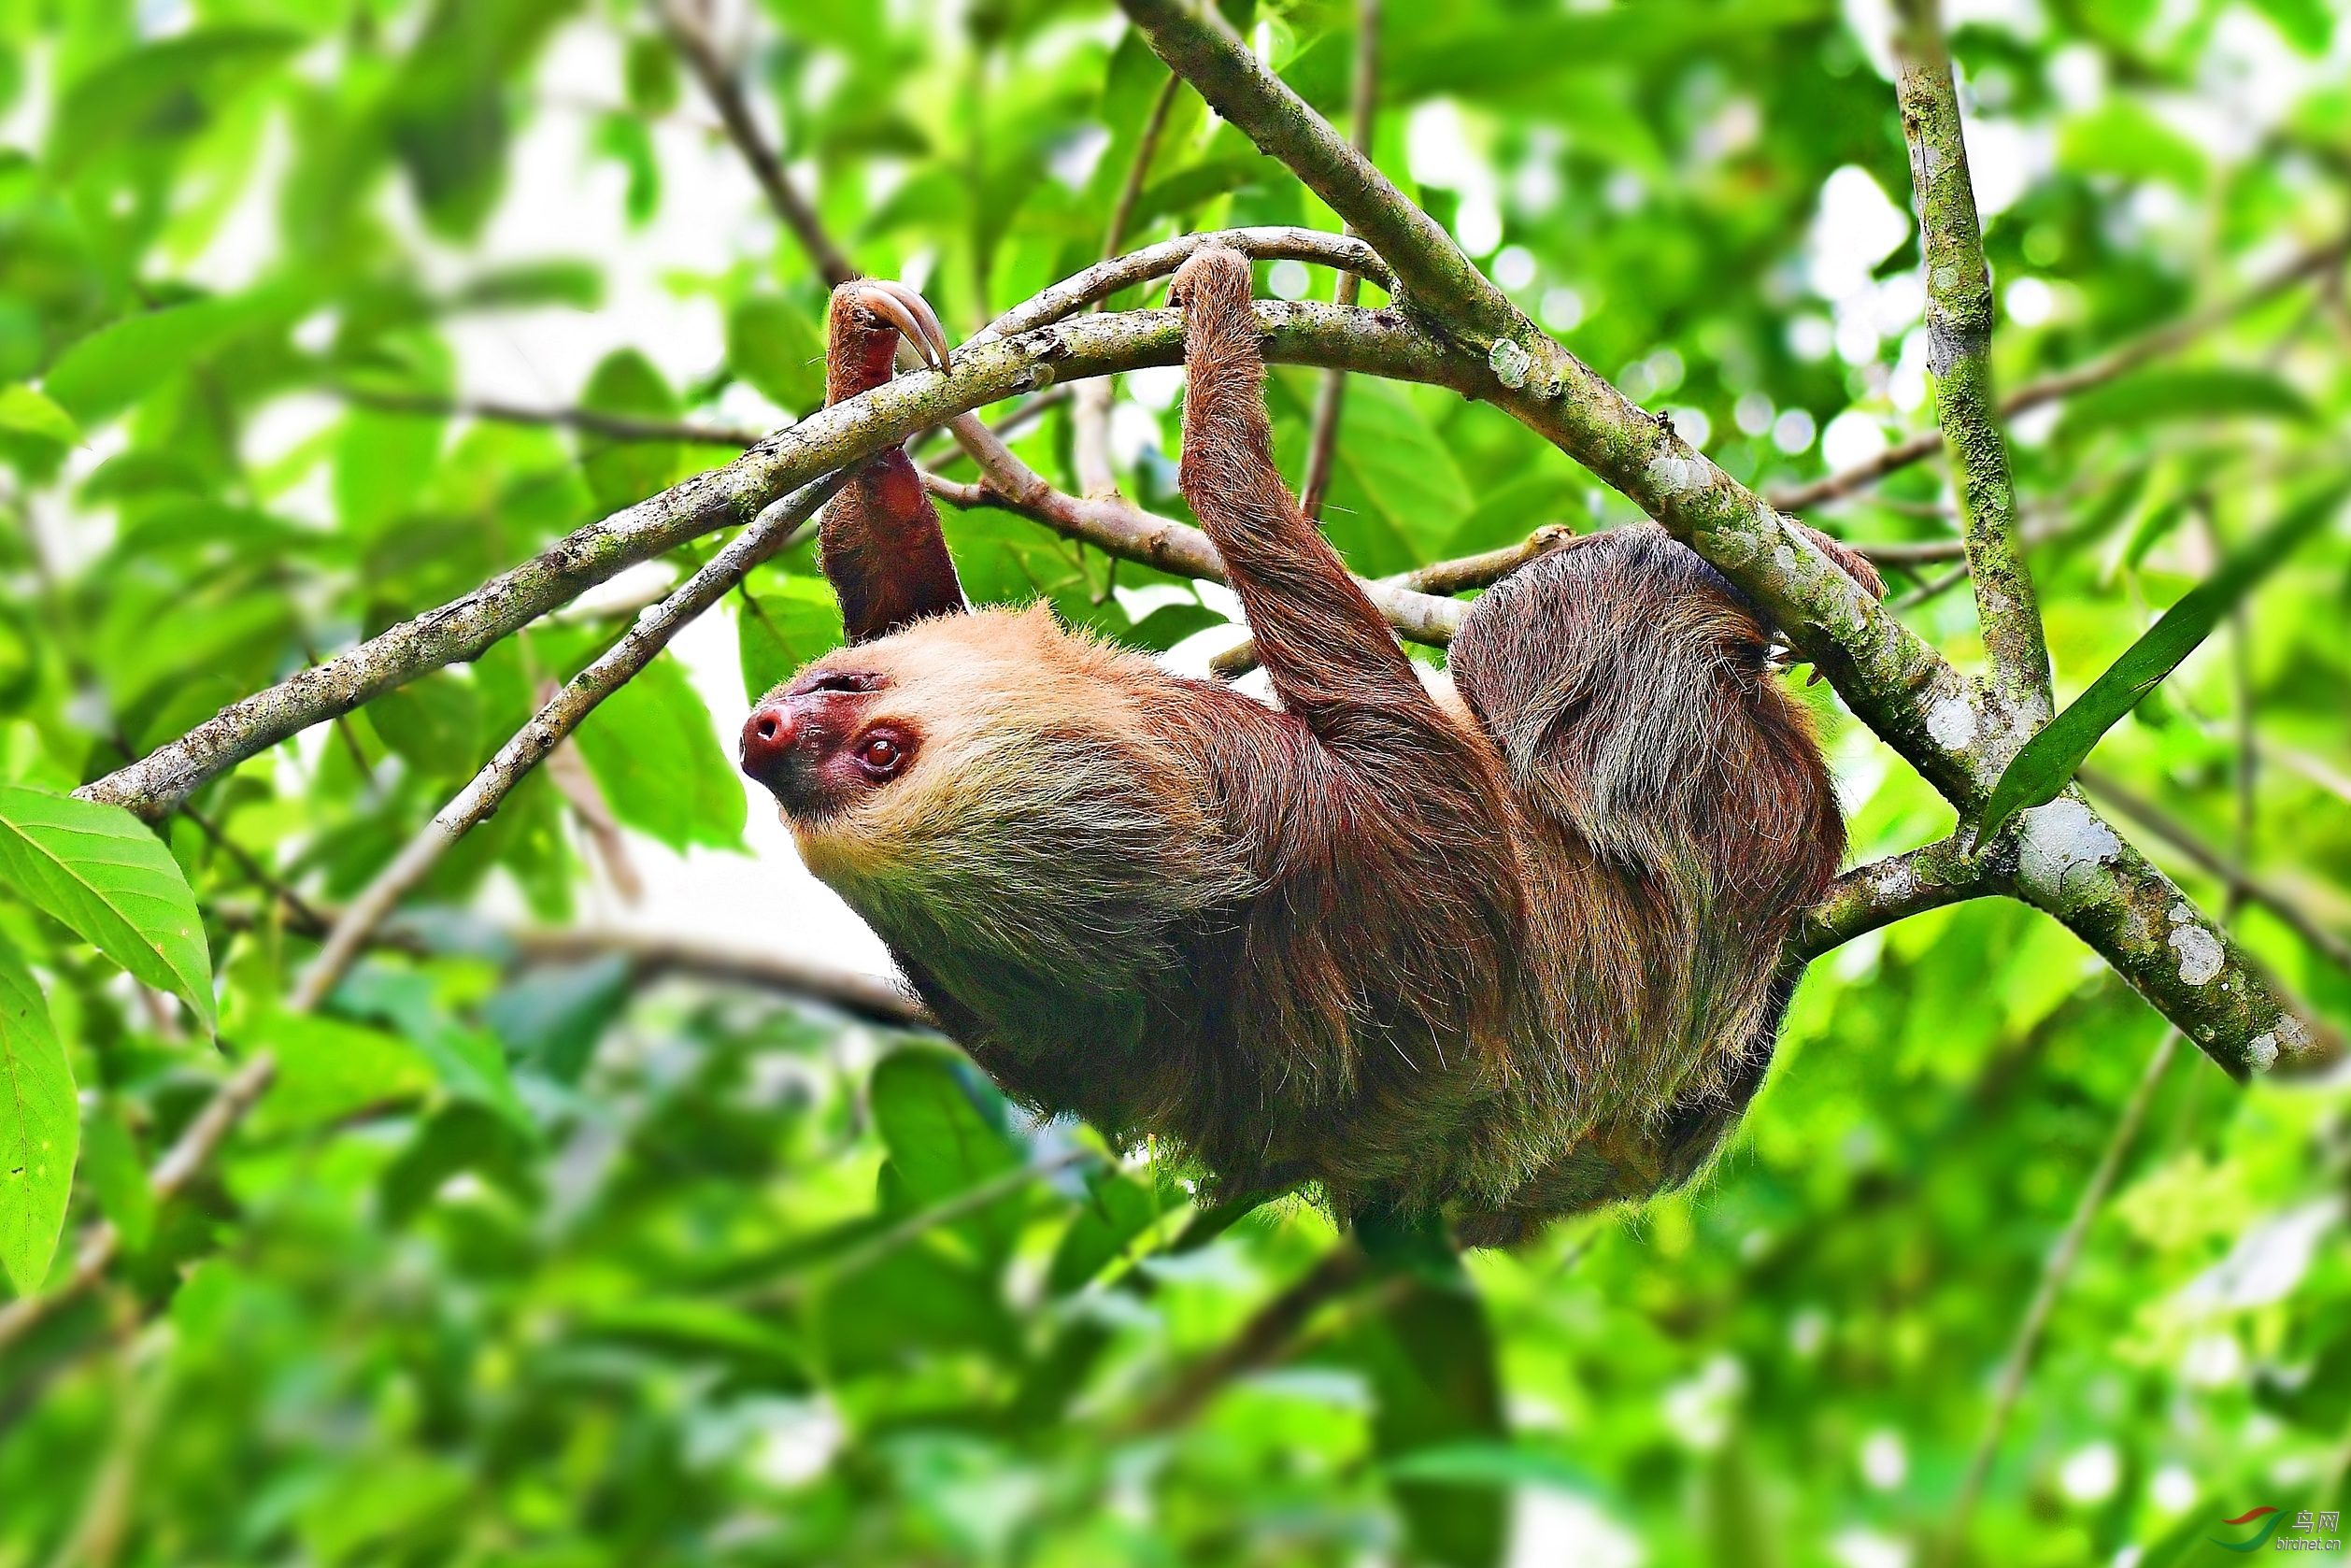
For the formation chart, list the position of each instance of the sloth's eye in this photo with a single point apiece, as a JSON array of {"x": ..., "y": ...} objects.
[{"x": 882, "y": 755}]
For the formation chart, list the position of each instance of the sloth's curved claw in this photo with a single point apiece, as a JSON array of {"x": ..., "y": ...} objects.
[{"x": 911, "y": 314}]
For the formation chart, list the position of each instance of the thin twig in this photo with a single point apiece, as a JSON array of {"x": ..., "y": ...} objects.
[
  {"x": 1260, "y": 1340},
  {"x": 1893, "y": 889},
  {"x": 1960, "y": 317},
  {"x": 725, "y": 92},
  {"x": 771, "y": 531},
  {"x": 2240, "y": 883},
  {"x": 2054, "y": 1271},
  {"x": 2065, "y": 383},
  {"x": 1322, "y": 444},
  {"x": 1090, "y": 418},
  {"x": 913, "y": 1228}
]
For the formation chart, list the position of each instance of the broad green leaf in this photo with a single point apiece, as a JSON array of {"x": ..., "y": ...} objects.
[
  {"x": 1396, "y": 494},
  {"x": 941, "y": 1123},
  {"x": 110, "y": 1161},
  {"x": 99, "y": 870},
  {"x": 2216, "y": 392},
  {"x": 117, "y": 364},
  {"x": 622, "y": 473},
  {"x": 2036, "y": 774},
  {"x": 1116, "y": 1210},
  {"x": 651, "y": 74},
  {"x": 327, "y": 1069},
  {"x": 1429, "y": 1352},
  {"x": 163, "y": 90},
  {"x": 40, "y": 1125},
  {"x": 656, "y": 756},
  {"x": 1170, "y": 625},
  {"x": 27, "y": 411},
  {"x": 553, "y": 1018},
  {"x": 776, "y": 631},
  {"x": 777, "y": 349},
  {"x": 2122, "y": 137},
  {"x": 756, "y": 1348}
]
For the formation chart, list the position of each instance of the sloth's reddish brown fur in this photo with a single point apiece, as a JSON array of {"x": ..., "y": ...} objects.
[{"x": 1505, "y": 948}]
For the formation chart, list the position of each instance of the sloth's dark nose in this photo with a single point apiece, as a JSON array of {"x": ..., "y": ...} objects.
[{"x": 768, "y": 736}]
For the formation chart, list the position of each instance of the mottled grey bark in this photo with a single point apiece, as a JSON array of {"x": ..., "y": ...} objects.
[{"x": 1959, "y": 317}]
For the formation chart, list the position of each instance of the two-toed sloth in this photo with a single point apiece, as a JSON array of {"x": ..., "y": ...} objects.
[{"x": 1505, "y": 946}]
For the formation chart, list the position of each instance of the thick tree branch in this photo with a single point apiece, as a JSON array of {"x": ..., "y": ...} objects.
[
  {"x": 482, "y": 795},
  {"x": 1894, "y": 889},
  {"x": 1116, "y": 526},
  {"x": 2242, "y": 885},
  {"x": 1960, "y": 317},
  {"x": 1323, "y": 444}
]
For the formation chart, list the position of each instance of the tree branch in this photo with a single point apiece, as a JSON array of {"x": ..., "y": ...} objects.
[
  {"x": 2065, "y": 383},
  {"x": 482, "y": 795},
  {"x": 2240, "y": 883},
  {"x": 1260, "y": 1340},
  {"x": 1090, "y": 418},
  {"x": 1116, "y": 526},
  {"x": 725, "y": 92},
  {"x": 1894, "y": 889},
  {"x": 1960, "y": 317},
  {"x": 1322, "y": 444}
]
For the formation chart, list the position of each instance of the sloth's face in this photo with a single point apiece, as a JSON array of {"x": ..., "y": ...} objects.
[{"x": 828, "y": 738}]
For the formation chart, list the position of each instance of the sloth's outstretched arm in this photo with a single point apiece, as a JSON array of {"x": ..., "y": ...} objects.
[
  {"x": 879, "y": 539},
  {"x": 1329, "y": 654}
]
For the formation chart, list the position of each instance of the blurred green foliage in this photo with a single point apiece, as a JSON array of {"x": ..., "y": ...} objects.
[{"x": 536, "y": 1263}]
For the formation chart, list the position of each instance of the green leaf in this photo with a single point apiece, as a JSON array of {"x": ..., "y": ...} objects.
[
  {"x": 2307, "y": 24},
  {"x": 2212, "y": 391},
  {"x": 2122, "y": 137},
  {"x": 462, "y": 1135},
  {"x": 941, "y": 1123},
  {"x": 2036, "y": 774},
  {"x": 622, "y": 472},
  {"x": 1170, "y": 625},
  {"x": 40, "y": 1122},
  {"x": 110, "y": 1161},
  {"x": 164, "y": 89},
  {"x": 651, "y": 74},
  {"x": 1486, "y": 1463},
  {"x": 1117, "y": 1210},
  {"x": 99, "y": 870},
  {"x": 1429, "y": 1352},
  {"x": 778, "y": 631},
  {"x": 656, "y": 756},
  {"x": 28, "y": 413},
  {"x": 1396, "y": 494},
  {"x": 116, "y": 365},
  {"x": 777, "y": 349},
  {"x": 555, "y": 1017},
  {"x": 575, "y": 284},
  {"x": 327, "y": 1069}
]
